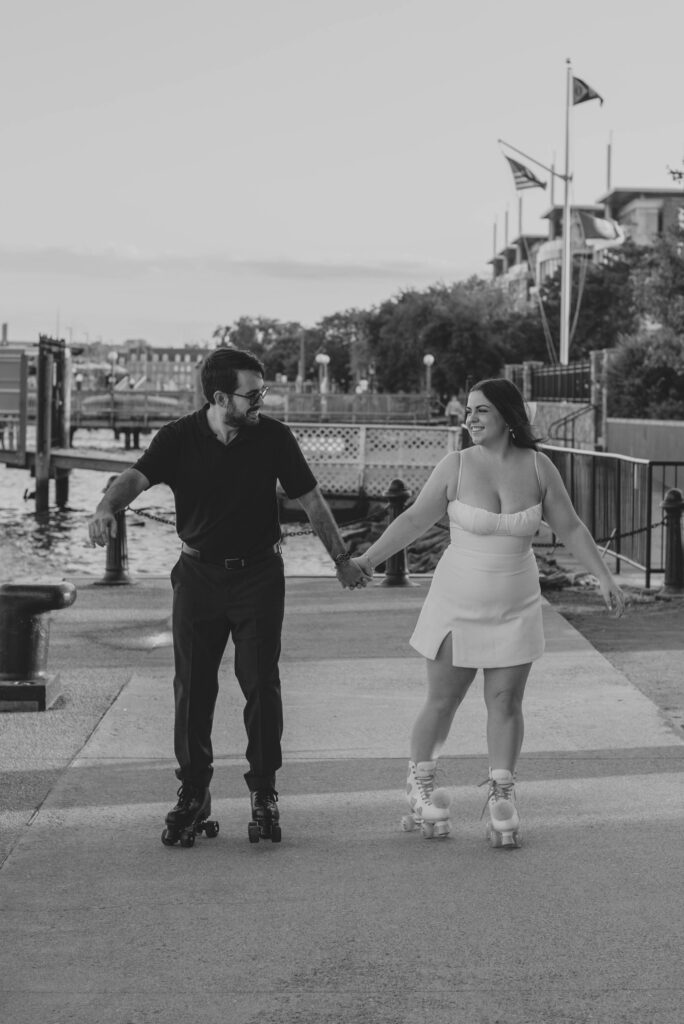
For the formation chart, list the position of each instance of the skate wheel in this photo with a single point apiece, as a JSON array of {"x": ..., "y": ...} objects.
[
  {"x": 169, "y": 838},
  {"x": 253, "y": 832},
  {"x": 276, "y": 834},
  {"x": 211, "y": 829},
  {"x": 427, "y": 829},
  {"x": 187, "y": 839},
  {"x": 493, "y": 838},
  {"x": 408, "y": 823},
  {"x": 442, "y": 829}
]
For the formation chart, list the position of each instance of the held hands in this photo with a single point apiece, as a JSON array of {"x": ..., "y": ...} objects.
[{"x": 355, "y": 574}]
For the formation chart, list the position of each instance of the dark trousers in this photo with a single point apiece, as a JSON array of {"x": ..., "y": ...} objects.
[{"x": 210, "y": 604}]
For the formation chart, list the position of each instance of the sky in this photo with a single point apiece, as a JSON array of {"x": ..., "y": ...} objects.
[{"x": 168, "y": 166}]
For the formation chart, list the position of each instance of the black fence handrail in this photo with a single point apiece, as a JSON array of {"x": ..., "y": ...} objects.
[{"x": 619, "y": 497}]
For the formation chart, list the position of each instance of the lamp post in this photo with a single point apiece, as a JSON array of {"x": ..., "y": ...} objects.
[
  {"x": 112, "y": 358},
  {"x": 428, "y": 363},
  {"x": 322, "y": 360}
]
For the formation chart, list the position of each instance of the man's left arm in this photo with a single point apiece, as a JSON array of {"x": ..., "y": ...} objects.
[{"x": 327, "y": 530}]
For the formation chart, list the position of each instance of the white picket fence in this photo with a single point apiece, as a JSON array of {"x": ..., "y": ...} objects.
[{"x": 349, "y": 459}]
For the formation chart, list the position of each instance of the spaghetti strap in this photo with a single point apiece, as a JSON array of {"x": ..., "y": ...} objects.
[
  {"x": 536, "y": 469},
  {"x": 460, "y": 467}
]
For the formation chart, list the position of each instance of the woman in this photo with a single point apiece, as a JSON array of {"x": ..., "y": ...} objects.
[{"x": 483, "y": 609}]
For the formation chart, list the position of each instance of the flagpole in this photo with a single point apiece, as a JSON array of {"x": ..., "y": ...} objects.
[{"x": 566, "y": 259}]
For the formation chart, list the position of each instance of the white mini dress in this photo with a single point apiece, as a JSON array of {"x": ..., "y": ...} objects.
[{"x": 485, "y": 589}]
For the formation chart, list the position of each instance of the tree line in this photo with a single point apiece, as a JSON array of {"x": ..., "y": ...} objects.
[{"x": 632, "y": 303}]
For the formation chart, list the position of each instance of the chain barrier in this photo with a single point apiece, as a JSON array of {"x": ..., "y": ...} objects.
[
  {"x": 304, "y": 532},
  {"x": 613, "y": 536},
  {"x": 308, "y": 530},
  {"x": 144, "y": 514}
]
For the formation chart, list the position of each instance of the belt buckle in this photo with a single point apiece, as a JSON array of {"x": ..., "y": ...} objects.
[{"x": 234, "y": 563}]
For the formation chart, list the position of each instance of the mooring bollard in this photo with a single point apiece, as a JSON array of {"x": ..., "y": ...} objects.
[
  {"x": 24, "y": 637},
  {"x": 396, "y": 572},
  {"x": 116, "y": 565},
  {"x": 672, "y": 507}
]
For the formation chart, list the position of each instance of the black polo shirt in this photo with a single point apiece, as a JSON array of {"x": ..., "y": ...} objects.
[{"x": 226, "y": 503}]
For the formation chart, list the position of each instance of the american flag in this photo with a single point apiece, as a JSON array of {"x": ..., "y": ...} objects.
[{"x": 523, "y": 176}]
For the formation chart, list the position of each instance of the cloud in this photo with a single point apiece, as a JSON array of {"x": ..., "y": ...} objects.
[{"x": 130, "y": 263}]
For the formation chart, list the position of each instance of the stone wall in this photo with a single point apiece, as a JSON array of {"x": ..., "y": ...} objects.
[{"x": 578, "y": 432}]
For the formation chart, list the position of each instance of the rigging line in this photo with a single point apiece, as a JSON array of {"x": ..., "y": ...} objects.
[
  {"x": 580, "y": 287},
  {"x": 580, "y": 293},
  {"x": 550, "y": 349}
]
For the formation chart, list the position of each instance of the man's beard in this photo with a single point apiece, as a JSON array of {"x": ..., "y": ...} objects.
[{"x": 234, "y": 419}]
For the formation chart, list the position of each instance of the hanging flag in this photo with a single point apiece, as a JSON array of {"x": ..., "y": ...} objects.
[
  {"x": 600, "y": 228},
  {"x": 523, "y": 176},
  {"x": 581, "y": 92}
]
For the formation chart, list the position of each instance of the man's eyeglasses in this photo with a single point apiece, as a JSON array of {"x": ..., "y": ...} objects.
[{"x": 251, "y": 396}]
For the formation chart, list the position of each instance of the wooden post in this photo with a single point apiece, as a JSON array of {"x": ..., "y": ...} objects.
[
  {"x": 44, "y": 398},
  {"x": 62, "y": 428}
]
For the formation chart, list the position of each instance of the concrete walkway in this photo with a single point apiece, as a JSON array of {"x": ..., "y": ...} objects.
[{"x": 349, "y": 919}]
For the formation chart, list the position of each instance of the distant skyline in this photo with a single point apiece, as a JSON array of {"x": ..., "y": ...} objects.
[{"x": 169, "y": 167}]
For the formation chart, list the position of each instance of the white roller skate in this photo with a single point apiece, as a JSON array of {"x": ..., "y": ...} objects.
[
  {"x": 429, "y": 806},
  {"x": 503, "y": 828}
]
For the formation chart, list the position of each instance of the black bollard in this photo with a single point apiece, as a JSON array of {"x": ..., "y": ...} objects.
[
  {"x": 116, "y": 566},
  {"x": 672, "y": 506},
  {"x": 396, "y": 572},
  {"x": 24, "y": 636}
]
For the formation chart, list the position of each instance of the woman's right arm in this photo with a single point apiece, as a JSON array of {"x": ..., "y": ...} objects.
[
  {"x": 429, "y": 507},
  {"x": 121, "y": 492}
]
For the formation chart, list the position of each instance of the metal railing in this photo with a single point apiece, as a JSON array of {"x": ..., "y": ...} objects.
[
  {"x": 571, "y": 383},
  {"x": 619, "y": 499}
]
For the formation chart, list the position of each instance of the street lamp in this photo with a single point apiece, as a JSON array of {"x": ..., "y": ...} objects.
[
  {"x": 112, "y": 358},
  {"x": 428, "y": 363},
  {"x": 323, "y": 359}
]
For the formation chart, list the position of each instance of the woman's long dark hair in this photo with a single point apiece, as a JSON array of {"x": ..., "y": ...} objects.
[{"x": 506, "y": 398}]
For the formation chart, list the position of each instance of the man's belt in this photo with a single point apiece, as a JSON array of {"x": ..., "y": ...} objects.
[{"x": 233, "y": 563}]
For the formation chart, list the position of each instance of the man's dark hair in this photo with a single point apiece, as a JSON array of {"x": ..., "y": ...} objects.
[
  {"x": 506, "y": 398},
  {"x": 220, "y": 369}
]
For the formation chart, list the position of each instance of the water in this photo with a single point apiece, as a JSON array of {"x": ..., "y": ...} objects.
[{"x": 56, "y": 543}]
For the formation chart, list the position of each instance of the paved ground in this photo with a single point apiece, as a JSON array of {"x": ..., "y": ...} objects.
[{"x": 349, "y": 919}]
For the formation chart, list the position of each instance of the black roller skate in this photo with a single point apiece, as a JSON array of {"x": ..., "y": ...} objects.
[
  {"x": 265, "y": 823},
  {"x": 190, "y": 817}
]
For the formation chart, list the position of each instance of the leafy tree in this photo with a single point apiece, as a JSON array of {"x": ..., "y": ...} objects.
[
  {"x": 646, "y": 376},
  {"x": 459, "y": 324},
  {"x": 344, "y": 337},
  {"x": 660, "y": 281}
]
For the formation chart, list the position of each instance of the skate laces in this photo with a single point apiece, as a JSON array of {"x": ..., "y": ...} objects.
[
  {"x": 186, "y": 794},
  {"x": 427, "y": 784},
  {"x": 497, "y": 791}
]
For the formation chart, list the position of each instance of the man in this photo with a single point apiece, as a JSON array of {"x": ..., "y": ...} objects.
[
  {"x": 454, "y": 411},
  {"x": 222, "y": 464}
]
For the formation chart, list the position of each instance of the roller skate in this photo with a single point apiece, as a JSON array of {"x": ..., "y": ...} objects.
[
  {"x": 190, "y": 817},
  {"x": 503, "y": 828},
  {"x": 429, "y": 806},
  {"x": 265, "y": 823}
]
